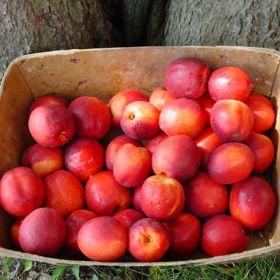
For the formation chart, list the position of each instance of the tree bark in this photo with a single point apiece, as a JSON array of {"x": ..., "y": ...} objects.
[
  {"x": 143, "y": 21},
  {"x": 28, "y": 26},
  {"x": 34, "y": 26},
  {"x": 222, "y": 22},
  {"x": 135, "y": 15},
  {"x": 204, "y": 22}
]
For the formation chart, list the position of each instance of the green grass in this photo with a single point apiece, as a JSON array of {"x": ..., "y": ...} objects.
[{"x": 259, "y": 269}]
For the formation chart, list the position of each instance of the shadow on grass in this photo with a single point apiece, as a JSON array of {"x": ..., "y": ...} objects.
[{"x": 259, "y": 269}]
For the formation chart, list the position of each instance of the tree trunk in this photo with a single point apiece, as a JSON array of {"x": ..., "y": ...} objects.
[
  {"x": 205, "y": 22},
  {"x": 222, "y": 22},
  {"x": 143, "y": 21},
  {"x": 34, "y": 26},
  {"x": 28, "y": 26}
]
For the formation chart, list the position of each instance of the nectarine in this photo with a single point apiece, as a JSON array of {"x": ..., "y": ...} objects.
[
  {"x": 136, "y": 199},
  {"x": 118, "y": 102},
  {"x": 207, "y": 141},
  {"x": 51, "y": 125},
  {"x": 103, "y": 239},
  {"x": 263, "y": 112},
  {"x": 148, "y": 240},
  {"x": 160, "y": 97},
  {"x": 92, "y": 117},
  {"x": 128, "y": 217},
  {"x": 15, "y": 232},
  {"x": 207, "y": 104},
  {"x": 84, "y": 157},
  {"x": 139, "y": 120},
  {"x": 263, "y": 150},
  {"x": 231, "y": 120},
  {"x": 182, "y": 116},
  {"x": 176, "y": 157},
  {"x": 153, "y": 143},
  {"x": 185, "y": 234},
  {"x": 132, "y": 165},
  {"x": 204, "y": 197},
  {"x": 63, "y": 192},
  {"x": 105, "y": 196},
  {"x": 162, "y": 198},
  {"x": 187, "y": 77},
  {"x": 21, "y": 191},
  {"x": 229, "y": 83},
  {"x": 72, "y": 225},
  {"x": 47, "y": 100},
  {"x": 252, "y": 202},
  {"x": 43, "y": 160},
  {"x": 42, "y": 232},
  {"x": 222, "y": 235},
  {"x": 230, "y": 163},
  {"x": 114, "y": 146}
]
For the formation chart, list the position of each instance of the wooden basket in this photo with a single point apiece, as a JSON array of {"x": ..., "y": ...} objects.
[{"x": 103, "y": 72}]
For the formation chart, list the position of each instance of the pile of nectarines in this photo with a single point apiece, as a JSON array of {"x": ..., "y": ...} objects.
[{"x": 184, "y": 173}]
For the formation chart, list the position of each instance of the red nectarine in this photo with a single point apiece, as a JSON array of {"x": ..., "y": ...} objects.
[
  {"x": 148, "y": 240},
  {"x": 118, "y": 102},
  {"x": 103, "y": 239},
  {"x": 230, "y": 163},
  {"x": 128, "y": 217},
  {"x": 262, "y": 108},
  {"x": 42, "y": 232},
  {"x": 182, "y": 116},
  {"x": 114, "y": 146},
  {"x": 207, "y": 141},
  {"x": 160, "y": 97},
  {"x": 187, "y": 77},
  {"x": 176, "y": 157},
  {"x": 252, "y": 202},
  {"x": 204, "y": 197},
  {"x": 51, "y": 125},
  {"x": 72, "y": 225},
  {"x": 92, "y": 117},
  {"x": 229, "y": 83},
  {"x": 139, "y": 120},
  {"x": 153, "y": 143},
  {"x": 43, "y": 160},
  {"x": 47, "y": 100},
  {"x": 84, "y": 157},
  {"x": 263, "y": 150},
  {"x": 185, "y": 234},
  {"x": 63, "y": 192},
  {"x": 231, "y": 120},
  {"x": 15, "y": 232},
  {"x": 21, "y": 191},
  {"x": 132, "y": 165},
  {"x": 162, "y": 198},
  {"x": 222, "y": 235},
  {"x": 105, "y": 196}
]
